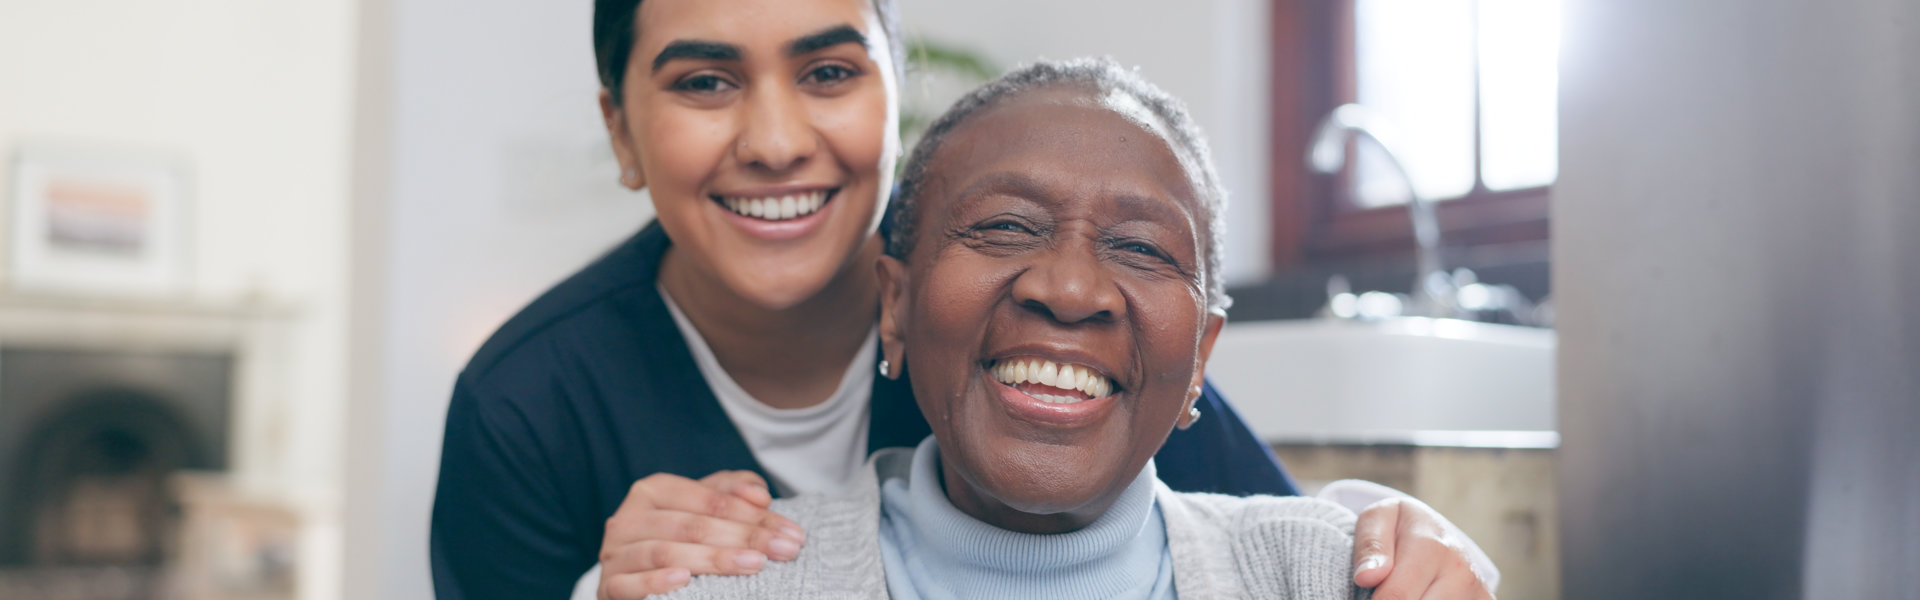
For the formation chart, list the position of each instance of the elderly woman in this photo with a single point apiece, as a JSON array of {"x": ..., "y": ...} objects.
[{"x": 1051, "y": 283}]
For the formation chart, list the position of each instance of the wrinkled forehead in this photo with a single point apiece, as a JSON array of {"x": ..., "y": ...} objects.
[
  {"x": 1117, "y": 102},
  {"x": 988, "y": 131}
]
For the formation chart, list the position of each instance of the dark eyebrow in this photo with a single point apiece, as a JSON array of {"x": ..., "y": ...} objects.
[
  {"x": 697, "y": 50},
  {"x": 826, "y": 38}
]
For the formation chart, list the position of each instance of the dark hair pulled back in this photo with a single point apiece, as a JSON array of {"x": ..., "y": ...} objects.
[{"x": 614, "y": 29}]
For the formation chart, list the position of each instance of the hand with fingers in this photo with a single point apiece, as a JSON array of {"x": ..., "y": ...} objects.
[
  {"x": 1405, "y": 550},
  {"x": 671, "y": 528}
]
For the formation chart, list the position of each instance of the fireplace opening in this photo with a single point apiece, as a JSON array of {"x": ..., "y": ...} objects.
[
  {"x": 90, "y": 444},
  {"x": 93, "y": 483}
]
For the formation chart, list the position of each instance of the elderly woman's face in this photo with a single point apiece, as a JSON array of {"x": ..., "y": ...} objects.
[{"x": 1052, "y": 313}]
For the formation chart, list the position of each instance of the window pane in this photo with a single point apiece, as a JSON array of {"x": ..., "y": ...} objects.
[
  {"x": 1414, "y": 62},
  {"x": 1519, "y": 74}
]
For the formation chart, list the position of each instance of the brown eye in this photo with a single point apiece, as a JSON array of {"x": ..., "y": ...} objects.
[
  {"x": 705, "y": 83},
  {"x": 829, "y": 75}
]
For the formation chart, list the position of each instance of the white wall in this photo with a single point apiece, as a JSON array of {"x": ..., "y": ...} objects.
[
  {"x": 1211, "y": 53},
  {"x": 254, "y": 98},
  {"x": 485, "y": 179},
  {"x": 1736, "y": 264}
]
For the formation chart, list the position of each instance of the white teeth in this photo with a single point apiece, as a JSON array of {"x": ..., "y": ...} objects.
[
  {"x": 777, "y": 208},
  {"x": 1051, "y": 374}
]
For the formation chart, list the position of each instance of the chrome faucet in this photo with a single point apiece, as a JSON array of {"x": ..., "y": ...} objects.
[{"x": 1432, "y": 292}]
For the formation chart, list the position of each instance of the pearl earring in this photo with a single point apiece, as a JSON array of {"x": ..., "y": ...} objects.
[
  {"x": 1193, "y": 415},
  {"x": 885, "y": 367}
]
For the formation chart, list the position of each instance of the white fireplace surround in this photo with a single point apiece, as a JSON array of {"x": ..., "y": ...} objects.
[{"x": 257, "y": 334}]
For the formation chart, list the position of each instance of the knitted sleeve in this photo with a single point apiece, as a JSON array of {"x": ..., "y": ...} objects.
[{"x": 1260, "y": 547}]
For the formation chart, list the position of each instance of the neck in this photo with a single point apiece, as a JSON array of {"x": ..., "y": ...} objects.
[
  {"x": 987, "y": 509},
  {"x": 791, "y": 357}
]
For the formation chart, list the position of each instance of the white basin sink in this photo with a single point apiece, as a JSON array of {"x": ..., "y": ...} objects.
[{"x": 1406, "y": 380}]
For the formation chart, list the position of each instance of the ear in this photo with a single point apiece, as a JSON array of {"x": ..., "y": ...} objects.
[
  {"x": 893, "y": 313},
  {"x": 1209, "y": 333},
  {"x": 624, "y": 150}
]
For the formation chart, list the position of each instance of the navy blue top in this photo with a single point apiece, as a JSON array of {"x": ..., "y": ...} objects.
[{"x": 592, "y": 387}]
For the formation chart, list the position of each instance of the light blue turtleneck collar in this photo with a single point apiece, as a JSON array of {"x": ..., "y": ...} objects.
[{"x": 932, "y": 550}]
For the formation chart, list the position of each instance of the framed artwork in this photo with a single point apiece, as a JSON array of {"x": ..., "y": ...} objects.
[{"x": 97, "y": 221}]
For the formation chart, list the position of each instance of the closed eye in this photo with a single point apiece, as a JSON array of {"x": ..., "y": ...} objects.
[{"x": 1140, "y": 248}]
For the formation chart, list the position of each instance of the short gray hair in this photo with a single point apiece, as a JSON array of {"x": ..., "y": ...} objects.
[{"x": 1103, "y": 76}]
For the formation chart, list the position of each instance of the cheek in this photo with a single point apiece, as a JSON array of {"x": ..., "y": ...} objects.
[
  {"x": 1168, "y": 323},
  {"x": 859, "y": 128},
  {"x": 680, "y": 150},
  {"x": 956, "y": 302}
]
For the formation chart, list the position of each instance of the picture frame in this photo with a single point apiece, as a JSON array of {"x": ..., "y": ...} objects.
[{"x": 97, "y": 221}]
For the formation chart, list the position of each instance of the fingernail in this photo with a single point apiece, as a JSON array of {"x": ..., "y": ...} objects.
[
  {"x": 1372, "y": 562},
  {"x": 795, "y": 532},
  {"x": 783, "y": 548},
  {"x": 750, "y": 561},
  {"x": 679, "y": 576}
]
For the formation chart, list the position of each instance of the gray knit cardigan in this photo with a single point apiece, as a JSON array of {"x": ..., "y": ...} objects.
[{"x": 1223, "y": 546}]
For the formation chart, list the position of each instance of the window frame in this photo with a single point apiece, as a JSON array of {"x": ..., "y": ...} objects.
[{"x": 1312, "y": 72}]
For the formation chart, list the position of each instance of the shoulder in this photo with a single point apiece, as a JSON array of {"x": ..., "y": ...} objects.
[
  {"x": 619, "y": 281},
  {"x": 1266, "y": 546},
  {"x": 841, "y": 557},
  {"x": 1260, "y": 509},
  {"x": 513, "y": 395}
]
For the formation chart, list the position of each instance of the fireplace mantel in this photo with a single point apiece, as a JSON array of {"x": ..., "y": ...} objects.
[
  {"x": 124, "y": 323},
  {"x": 259, "y": 334}
]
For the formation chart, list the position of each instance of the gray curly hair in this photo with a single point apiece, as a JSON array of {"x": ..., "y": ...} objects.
[{"x": 1104, "y": 77}]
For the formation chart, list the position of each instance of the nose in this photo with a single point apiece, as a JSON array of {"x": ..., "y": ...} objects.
[
  {"x": 1070, "y": 286},
  {"x": 778, "y": 134}
]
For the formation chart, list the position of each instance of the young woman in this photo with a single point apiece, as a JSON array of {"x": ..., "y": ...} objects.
[
  {"x": 733, "y": 340},
  {"x": 1051, "y": 286}
]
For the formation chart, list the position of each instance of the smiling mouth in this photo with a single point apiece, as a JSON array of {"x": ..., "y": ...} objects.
[
  {"x": 1051, "y": 382},
  {"x": 777, "y": 208}
]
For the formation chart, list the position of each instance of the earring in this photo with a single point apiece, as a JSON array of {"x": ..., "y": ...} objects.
[
  {"x": 627, "y": 176},
  {"x": 884, "y": 367},
  {"x": 1193, "y": 415}
]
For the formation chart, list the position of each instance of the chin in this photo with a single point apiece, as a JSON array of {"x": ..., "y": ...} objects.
[
  {"x": 781, "y": 283},
  {"x": 1046, "y": 485},
  {"x": 779, "y": 293}
]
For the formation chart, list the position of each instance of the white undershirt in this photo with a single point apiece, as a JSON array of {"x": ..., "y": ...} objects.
[{"x": 804, "y": 450}]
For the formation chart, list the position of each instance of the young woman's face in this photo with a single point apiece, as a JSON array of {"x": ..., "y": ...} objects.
[
  {"x": 1056, "y": 234},
  {"x": 765, "y": 131}
]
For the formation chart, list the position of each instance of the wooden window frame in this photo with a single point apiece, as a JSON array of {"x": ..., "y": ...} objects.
[{"x": 1313, "y": 71}]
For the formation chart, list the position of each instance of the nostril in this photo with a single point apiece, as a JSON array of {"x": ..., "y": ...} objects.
[{"x": 1038, "y": 306}]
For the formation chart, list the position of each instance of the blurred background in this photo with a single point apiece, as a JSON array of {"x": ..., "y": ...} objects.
[{"x": 1622, "y": 287}]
